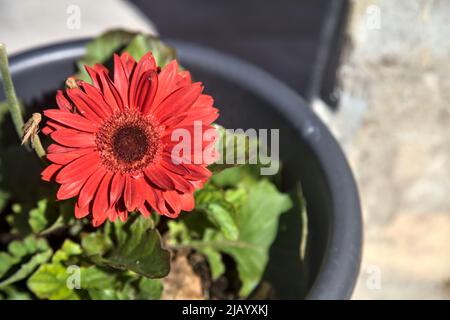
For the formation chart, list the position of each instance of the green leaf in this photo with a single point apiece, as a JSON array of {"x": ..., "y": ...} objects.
[
  {"x": 12, "y": 293},
  {"x": 258, "y": 223},
  {"x": 143, "y": 43},
  {"x": 123, "y": 288},
  {"x": 260, "y": 205},
  {"x": 22, "y": 259},
  {"x": 131, "y": 288},
  {"x": 178, "y": 232},
  {"x": 230, "y": 177},
  {"x": 235, "y": 148},
  {"x": 55, "y": 281},
  {"x": 220, "y": 212},
  {"x": 37, "y": 220},
  {"x": 102, "y": 48},
  {"x": 68, "y": 249},
  {"x": 95, "y": 244},
  {"x": 106, "y": 294},
  {"x": 27, "y": 268},
  {"x": 95, "y": 278},
  {"x": 150, "y": 289},
  {"x": 236, "y": 196},
  {"x": 50, "y": 282},
  {"x": 60, "y": 278},
  {"x": 136, "y": 246},
  {"x": 7, "y": 261},
  {"x": 215, "y": 262}
]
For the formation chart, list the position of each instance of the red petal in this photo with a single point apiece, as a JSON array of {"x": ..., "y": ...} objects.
[
  {"x": 95, "y": 99},
  {"x": 115, "y": 212},
  {"x": 203, "y": 101},
  {"x": 167, "y": 79},
  {"x": 79, "y": 168},
  {"x": 55, "y": 125},
  {"x": 49, "y": 172},
  {"x": 81, "y": 212},
  {"x": 117, "y": 185},
  {"x": 69, "y": 190},
  {"x": 146, "y": 210},
  {"x": 147, "y": 91},
  {"x": 57, "y": 148},
  {"x": 128, "y": 63},
  {"x": 193, "y": 128},
  {"x": 197, "y": 172},
  {"x": 181, "y": 184},
  {"x": 47, "y": 130},
  {"x": 160, "y": 202},
  {"x": 174, "y": 167},
  {"x": 198, "y": 184},
  {"x": 90, "y": 187},
  {"x": 121, "y": 79},
  {"x": 66, "y": 157},
  {"x": 159, "y": 178},
  {"x": 62, "y": 102},
  {"x": 97, "y": 222},
  {"x": 112, "y": 214},
  {"x": 184, "y": 78},
  {"x": 147, "y": 63},
  {"x": 178, "y": 101},
  {"x": 73, "y": 138},
  {"x": 133, "y": 196},
  {"x": 123, "y": 215},
  {"x": 71, "y": 120},
  {"x": 173, "y": 203},
  {"x": 100, "y": 207},
  {"x": 187, "y": 201},
  {"x": 94, "y": 76},
  {"x": 149, "y": 194},
  {"x": 205, "y": 115},
  {"x": 83, "y": 107},
  {"x": 110, "y": 93}
]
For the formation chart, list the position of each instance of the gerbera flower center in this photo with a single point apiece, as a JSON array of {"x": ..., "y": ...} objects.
[{"x": 128, "y": 142}]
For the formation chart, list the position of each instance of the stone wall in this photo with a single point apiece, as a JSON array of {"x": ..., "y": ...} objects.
[{"x": 394, "y": 123}]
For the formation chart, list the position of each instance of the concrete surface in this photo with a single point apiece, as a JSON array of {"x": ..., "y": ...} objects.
[
  {"x": 27, "y": 23},
  {"x": 395, "y": 126}
]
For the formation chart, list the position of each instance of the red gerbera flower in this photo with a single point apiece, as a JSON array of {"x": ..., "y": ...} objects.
[{"x": 113, "y": 140}]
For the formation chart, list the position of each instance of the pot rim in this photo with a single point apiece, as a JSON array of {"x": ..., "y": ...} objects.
[{"x": 340, "y": 264}]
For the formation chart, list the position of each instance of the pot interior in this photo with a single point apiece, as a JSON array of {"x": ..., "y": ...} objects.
[{"x": 240, "y": 107}]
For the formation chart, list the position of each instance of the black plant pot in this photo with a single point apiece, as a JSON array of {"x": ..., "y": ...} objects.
[{"x": 250, "y": 98}]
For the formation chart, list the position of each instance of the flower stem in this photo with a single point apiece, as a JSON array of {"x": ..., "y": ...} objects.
[
  {"x": 13, "y": 103},
  {"x": 10, "y": 93},
  {"x": 38, "y": 148}
]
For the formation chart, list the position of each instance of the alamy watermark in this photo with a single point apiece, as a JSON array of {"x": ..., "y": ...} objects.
[
  {"x": 373, "y": 17},
  {"x": 198, "y": 145},
  {"x": 73, "y": 21},
  {"x": 373, "y": 280},
  {"x": 74, "y": 277}
]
